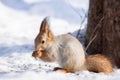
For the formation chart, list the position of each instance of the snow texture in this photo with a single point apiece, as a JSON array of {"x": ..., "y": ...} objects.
[{"x": 19, "y": 25}]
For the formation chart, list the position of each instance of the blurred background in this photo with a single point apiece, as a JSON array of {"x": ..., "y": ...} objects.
[{"x": 20, "y": 21}]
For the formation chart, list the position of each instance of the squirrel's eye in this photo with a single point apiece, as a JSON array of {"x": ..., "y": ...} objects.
[{"x": 42, "y": 41}]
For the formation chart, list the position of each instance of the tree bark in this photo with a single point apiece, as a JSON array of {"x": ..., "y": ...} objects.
[
  {"x": 111, "y": 30},
  {"x": 107, "y": 41},
  {"x": 95, "y": 13}
]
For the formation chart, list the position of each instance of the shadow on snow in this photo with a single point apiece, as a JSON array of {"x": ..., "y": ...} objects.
[{"x": 7, "y": 50}]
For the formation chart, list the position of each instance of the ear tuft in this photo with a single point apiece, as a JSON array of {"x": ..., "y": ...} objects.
[
  {"x": 44, "y": 25},
  {"x": 45, "y": 28},
  {"x": 45, "y": 20}
]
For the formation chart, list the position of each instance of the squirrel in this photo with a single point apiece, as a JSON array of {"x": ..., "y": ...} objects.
[{"x": 68, "y": 52}]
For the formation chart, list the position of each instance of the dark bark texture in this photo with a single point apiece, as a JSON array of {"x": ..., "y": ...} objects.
[
  {"x": 95, "y": 13},
  {"x": 107, "y": 41}
]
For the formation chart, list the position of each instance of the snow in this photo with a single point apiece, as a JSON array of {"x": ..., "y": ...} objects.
[{"x": 19, "y": 25}]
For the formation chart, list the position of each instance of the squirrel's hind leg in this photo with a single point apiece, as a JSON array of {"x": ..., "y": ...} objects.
[{"x": 62, "y": 70}]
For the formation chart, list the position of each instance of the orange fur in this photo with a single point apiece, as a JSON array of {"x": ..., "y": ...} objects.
[{"x": 99, "y": 63}]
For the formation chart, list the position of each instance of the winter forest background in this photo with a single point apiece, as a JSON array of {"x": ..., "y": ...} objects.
[{"x": 19, "y": 25}]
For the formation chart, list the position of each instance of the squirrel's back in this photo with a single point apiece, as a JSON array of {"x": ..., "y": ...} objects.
[{"x": 71, "y": 52}]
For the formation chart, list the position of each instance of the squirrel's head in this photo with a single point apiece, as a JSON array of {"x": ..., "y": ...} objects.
[{"x": 45, "y": 36}]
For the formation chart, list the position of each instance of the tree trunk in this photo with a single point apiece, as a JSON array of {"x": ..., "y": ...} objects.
[
  {"x": 107, "y": 41},
  {"x": 94, "y": 15}
]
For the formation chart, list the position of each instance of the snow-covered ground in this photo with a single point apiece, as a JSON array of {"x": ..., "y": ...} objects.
[{"x": 19, "y": 25}]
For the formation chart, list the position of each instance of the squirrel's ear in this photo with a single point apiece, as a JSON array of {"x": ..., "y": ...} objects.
[
  {"x": 50, "y": 35},
  {"x": 44, "y": 28}
]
